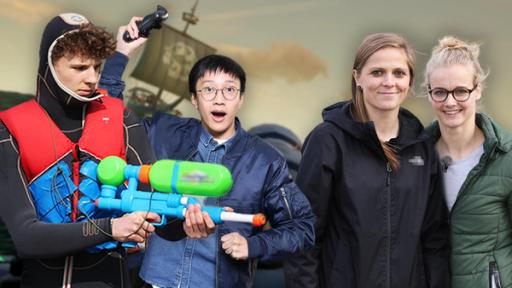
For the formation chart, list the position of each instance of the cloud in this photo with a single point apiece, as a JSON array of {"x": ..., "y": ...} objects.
[
  {"x": 27, "y": 11},
  {"x": 297, "y": 107},
  {"x": 262, "y": 10},
  {"x": 286, "y": 60}
]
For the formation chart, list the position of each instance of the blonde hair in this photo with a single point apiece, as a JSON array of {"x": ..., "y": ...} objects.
[
  {"x": 371, "y": 44},
  {"x": 452, "y": 50}
]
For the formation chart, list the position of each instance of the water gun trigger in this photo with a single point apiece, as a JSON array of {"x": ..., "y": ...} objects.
[{"x": 161, "y": 223}]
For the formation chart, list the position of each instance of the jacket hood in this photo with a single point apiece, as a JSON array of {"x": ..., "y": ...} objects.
[
  {"x": 48, "y": 84},
  {"x": 340, "y": 115},
  {"x": 493, "y": 132}
]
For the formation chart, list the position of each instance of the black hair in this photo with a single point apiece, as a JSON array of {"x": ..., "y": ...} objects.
[{"x": 215, "y": 63}]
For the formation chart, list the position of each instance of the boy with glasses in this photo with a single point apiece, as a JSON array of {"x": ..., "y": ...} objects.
[{"x": 227, "y": 257}]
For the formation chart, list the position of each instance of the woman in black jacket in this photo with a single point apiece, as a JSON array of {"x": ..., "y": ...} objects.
[{"x": 372, "y": 177}]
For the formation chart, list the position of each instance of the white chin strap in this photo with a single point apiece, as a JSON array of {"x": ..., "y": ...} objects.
[{"x": 62, "y": 86}]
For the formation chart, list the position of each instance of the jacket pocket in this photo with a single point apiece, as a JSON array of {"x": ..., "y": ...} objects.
[{"x": 494, "y": 275}]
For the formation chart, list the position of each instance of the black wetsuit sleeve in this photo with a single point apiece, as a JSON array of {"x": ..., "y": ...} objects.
[
  {"x": 33, "y": 238},
  {"x": 138, "y": 149}
]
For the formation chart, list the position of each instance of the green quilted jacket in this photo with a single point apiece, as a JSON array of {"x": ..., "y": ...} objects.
[{"x": 481, "y": 223}]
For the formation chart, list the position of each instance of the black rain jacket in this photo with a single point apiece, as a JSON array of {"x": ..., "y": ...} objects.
[{"x": 375, "y": 227}]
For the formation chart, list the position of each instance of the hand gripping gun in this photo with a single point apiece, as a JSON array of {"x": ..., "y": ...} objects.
[{"x": 172, "y": 179}]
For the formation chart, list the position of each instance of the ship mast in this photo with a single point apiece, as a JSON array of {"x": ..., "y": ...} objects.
[{"x": 189, "y": 18}]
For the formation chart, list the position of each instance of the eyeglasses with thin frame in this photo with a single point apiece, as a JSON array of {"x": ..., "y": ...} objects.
[
  {"x": 460, "y": 94},
  {"x": 209, "y": 93}
]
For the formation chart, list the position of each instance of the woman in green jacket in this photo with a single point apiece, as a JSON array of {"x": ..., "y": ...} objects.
[{"x": 477, "y": 161}]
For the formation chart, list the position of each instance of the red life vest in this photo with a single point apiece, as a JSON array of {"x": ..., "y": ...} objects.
[{"x": 41, "y": 143}]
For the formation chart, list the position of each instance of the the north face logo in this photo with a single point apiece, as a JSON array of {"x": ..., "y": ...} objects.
[{"x": 417, "y": 161}]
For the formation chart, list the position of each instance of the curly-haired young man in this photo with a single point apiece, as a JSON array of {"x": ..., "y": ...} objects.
[{"x": 49, "y": 148}]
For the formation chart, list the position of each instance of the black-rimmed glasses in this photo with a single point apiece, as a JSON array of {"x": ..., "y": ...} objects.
[
  {"x": 209, "y": 93},
  {"x": 460, "y": 94}
]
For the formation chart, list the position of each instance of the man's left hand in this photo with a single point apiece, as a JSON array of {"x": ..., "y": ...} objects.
[
  {"x": 235, "y": 245},
  {"x": 128, "y": 47}
]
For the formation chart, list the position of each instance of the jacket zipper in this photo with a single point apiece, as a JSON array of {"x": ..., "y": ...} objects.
[
  {"x": 283, "y": 194},
  {"x": 473, "y": 175},
  {"x": 494, "y": 275},
  {"x": 388, "y": 190}
]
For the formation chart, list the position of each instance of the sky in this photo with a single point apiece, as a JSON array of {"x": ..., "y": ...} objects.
[{"x": 298, "y": 54}]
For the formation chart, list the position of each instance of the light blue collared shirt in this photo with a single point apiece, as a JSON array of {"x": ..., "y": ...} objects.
[{"x": 189, "y": 263}]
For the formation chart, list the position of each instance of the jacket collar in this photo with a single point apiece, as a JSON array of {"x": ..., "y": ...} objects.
[
  {"x": 233, "y": 149},
  {"x": 495, "y": 136},
  {"x": 340, "y": 114},
  {"x": 206, "y": 139}
]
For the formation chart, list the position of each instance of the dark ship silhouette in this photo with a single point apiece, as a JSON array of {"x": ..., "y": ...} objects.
[{"x": 166, "y": 61}]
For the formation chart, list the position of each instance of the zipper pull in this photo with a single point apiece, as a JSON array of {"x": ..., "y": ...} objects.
[
  {"x": 494, "y": 275},
  {"x": 388, "y": 176},
  {"x": 283, "y": 194}
]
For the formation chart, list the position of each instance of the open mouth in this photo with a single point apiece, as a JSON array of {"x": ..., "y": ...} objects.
[{"x": 218, "y": 115}]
